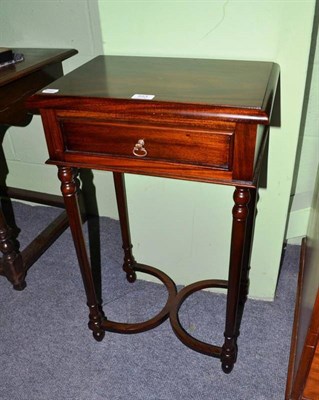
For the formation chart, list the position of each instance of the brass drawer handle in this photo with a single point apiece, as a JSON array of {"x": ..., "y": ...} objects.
[{"x": 139, "y": 150}]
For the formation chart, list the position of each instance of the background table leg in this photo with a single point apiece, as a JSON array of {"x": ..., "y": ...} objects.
[{"x": 11, "y": 264}]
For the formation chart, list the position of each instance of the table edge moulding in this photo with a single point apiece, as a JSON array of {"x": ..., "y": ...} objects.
[
  {"x": 37, "y": 68},
  {"x": 192, "y": 119}
]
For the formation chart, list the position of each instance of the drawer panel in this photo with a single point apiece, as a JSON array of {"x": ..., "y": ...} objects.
[{"x": 190, "y": 146}]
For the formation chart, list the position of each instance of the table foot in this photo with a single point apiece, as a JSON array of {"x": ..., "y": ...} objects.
[
  {"x": 99, "y": 336},
  {"x": 129, "y": 264},
  {"x": 227, "y": 368},
  {"x": 11, "y": 263},
  {"x": 131, "y": 277},
  {"x": 95, "y": 321},
  {"x": 20, "y": 286},
  {"x": 229, "y": 355}
]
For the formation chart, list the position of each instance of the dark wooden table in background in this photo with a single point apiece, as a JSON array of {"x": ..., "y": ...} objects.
[
  {"x": 17, "y": 82},
  {"x": 192, "y": 119}
]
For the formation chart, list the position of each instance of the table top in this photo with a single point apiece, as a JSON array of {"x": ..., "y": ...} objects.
[
  {"x": 34, "y": 59},
  {"x": 194, "y": 119},
  {"x": 226, "y": 87},
  {"x": 19, "y": 81}
]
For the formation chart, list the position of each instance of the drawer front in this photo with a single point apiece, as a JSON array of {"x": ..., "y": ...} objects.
[{"x": 189, "y": 146}]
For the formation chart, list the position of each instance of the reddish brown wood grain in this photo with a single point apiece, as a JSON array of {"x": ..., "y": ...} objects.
[
  {"x": 171, "y": 144},
  {"x": 303, "y": 375},
  {"x": 201, "y": 125},
  {"x": 312, "y": 386}
]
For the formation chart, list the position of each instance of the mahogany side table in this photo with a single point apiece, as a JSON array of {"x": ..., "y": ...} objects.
[
  {"x": 18, "y": 81},
  {"x": 194, "y": 119}
]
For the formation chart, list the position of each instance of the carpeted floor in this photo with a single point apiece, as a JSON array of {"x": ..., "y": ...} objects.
[{"x": 48, "y": 353}]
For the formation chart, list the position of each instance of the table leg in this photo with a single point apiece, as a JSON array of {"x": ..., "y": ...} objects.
[
  {"x": 248, "y": 246},
  {"x": 240, "y": 214},
  {"x": 70, "y": 189},
  {"x": 244, "y": 285},
  {"x": 11, "y": 264},
  {"x": 129, "y": 261}
]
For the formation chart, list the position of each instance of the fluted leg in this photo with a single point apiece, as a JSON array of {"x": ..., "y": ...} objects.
[
  {"x": 69, "y": 189},
  {"x": 248, "y": 246},
  {"x": 129, "y": 260},
  {"x": 240, "y": 214}
]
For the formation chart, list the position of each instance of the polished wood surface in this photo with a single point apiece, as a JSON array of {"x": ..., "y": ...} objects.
[
  {"x": 35, "y": 59},
  {"x": 18, "y": 81},
  {"x": 208, "y": 134},
  {"x": 208, "y": 121},
  {"x": 185, "y": 145},
  {"x": 199, "y": 88},
  {"x": 312, "y": 385},
  {"x": 303, "y": 372}
]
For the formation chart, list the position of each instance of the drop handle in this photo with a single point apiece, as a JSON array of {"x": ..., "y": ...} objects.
[{"x": 139, "y": 149}]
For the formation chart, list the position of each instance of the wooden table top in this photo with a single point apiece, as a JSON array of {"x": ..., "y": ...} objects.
[
  {"x": 34, "y": 59},
  {"x": 19, "y": 81},
  {"x": 234, "y": 87}
]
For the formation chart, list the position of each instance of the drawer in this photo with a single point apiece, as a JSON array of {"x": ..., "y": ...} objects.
[{"x": 189, "y": 146}]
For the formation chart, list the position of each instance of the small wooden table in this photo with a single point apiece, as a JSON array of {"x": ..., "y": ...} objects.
[
  {"x": 18, "y": 81},
  {"x": 193, "y": 119}
]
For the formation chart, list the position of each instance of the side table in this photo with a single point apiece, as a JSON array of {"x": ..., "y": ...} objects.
[
  {"x": 194, "y": 119},
  {"x": 18, "y": 81}
]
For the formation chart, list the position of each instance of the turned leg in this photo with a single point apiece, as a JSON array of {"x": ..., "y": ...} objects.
[
  {"x": 240, "y": 214},
  {"x": 248, "y": 246},
  {"x": 70, "y": 189},
  {"x": 244, "y": 282},
  {"x": 12, "y": 264},
  {"x": 129, "y": 261}
]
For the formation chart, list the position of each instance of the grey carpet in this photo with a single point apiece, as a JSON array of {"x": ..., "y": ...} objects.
[{"x": 47, "y": 352}]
